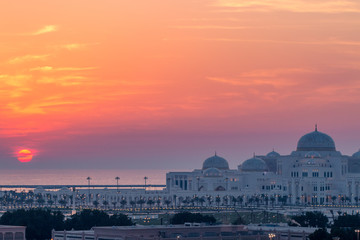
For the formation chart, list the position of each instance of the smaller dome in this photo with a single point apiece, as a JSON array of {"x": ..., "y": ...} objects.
[
  {"x": 273, "y": 154},
  {"x": 254, "y": 165},
  {"x": 216, "y": 162},
  {"x": 312, "y": 154},
  {"x": 212, "y": 172},
  {"x": 356, "y": 155}
]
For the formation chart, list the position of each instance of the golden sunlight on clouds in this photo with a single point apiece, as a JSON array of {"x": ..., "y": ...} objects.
[
  {"x": 73, "y": 46},
  {"x": 78, "y": 46},
  {"x": 45, "y": 29},
  {"x": 49, "y": 68},
  {"x": 27, "y": 58},
  {"x": 323, "y": 6}
]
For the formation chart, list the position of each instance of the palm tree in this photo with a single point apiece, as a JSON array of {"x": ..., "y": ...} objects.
[
  {"x": 105, "y": 203},
  {"x": 333, "y": 198},
  {"x": 62, "y": 202},
  {"x": 272, "y": 200},
  {"x": 225, "y": 200},
  {"x": 114, "y": 204},
  {"x": 140, "y": 202},
  {"x": 19, "y": 202},
  {"x": 218, "y": 200},
  {"x": 240, "y": 199},
  {"x": 174, "y": 197},
  {"x": 123, "y": 203},
  {"x": 40, "y": 202},
  {"x": 209, "y": 198},
  {"x": 347, "y": 200},
  {"x": 96, "y": 203},
  {"x": 29, "y": 202},
  {"x": 150, "y": 202},
  {"x": 257, "y": 200},
  {"x": 55, "y": 197},
  {"x": 342, "y": 199},
  {"x": 250, "y": 201},
  {"x": 158, "y": 202},
  {"x": 266, "y": 198},
  {"x": 284, "y": 198},
  {"x": 201, "y": 201},
  {"x": 167, "y": 202},
  {"x": 195, "y": 200},
  {"x": 185, "y": 201},
  {"x": 50, "y": 202},
  {"x": 132, "y": 203}
]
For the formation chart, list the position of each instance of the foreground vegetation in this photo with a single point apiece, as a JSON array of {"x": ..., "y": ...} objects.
[
  {"x": 40, "y": 222},
  {"x": 344, "y": 226}
]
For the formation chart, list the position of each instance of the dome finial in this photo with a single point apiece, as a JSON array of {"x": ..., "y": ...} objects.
[
  {"x": 254, "y": 154},
  {"x": 215, "y": 153},
  {"x": 316, "y": 127}
]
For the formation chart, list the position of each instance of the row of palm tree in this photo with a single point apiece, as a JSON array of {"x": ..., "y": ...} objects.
[{"x": 22, "y": 199}]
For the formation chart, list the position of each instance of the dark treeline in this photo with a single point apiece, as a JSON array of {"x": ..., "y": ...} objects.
[
  {"x": 344, "y": 225},
  {"x": 40, "y": 222},
  {"x": 183, "y": 217},
  {"x": 312, "y": 219}
]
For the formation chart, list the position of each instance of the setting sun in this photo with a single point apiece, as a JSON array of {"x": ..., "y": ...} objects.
[{"x": 25, "y": 155}]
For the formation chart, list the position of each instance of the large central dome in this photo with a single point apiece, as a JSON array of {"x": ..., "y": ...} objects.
[
  {"x": 316, "y": 141},
  {"x": 216, "y": 162}
]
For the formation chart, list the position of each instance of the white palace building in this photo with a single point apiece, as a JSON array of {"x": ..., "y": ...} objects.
[{"x": 314, "y": 174}]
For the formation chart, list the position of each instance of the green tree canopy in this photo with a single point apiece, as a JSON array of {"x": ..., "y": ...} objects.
[
  {"x": 320, "y": 234},
  {"x": 87, "y": 219},
  {"x": 344, "y": 226},
  {"x": 312, "y": 219},
  {"x": 238, "y": 221},
  {"x": 347, "y": 221},
  {"x": 38, "y": 222}
]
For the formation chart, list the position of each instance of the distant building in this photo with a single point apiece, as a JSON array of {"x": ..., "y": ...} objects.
[
  {"x": 12, "y": 232},
  {"x": 218, "y": 232}
]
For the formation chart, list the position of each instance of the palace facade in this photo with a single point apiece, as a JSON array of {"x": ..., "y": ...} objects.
[{"x": 315, "y": 173}]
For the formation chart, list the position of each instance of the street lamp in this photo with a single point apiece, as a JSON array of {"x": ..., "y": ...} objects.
[
  {"x": 271, "y": 236},
  {"x": 88, "y": 179},
  {"x": 117, "y": 183},
  {"x": 145, "y": 178},
  {"x": 357, "y": 233}
]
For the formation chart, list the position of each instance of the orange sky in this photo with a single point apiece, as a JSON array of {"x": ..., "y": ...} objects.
[{"x": 86, "y": 80}]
